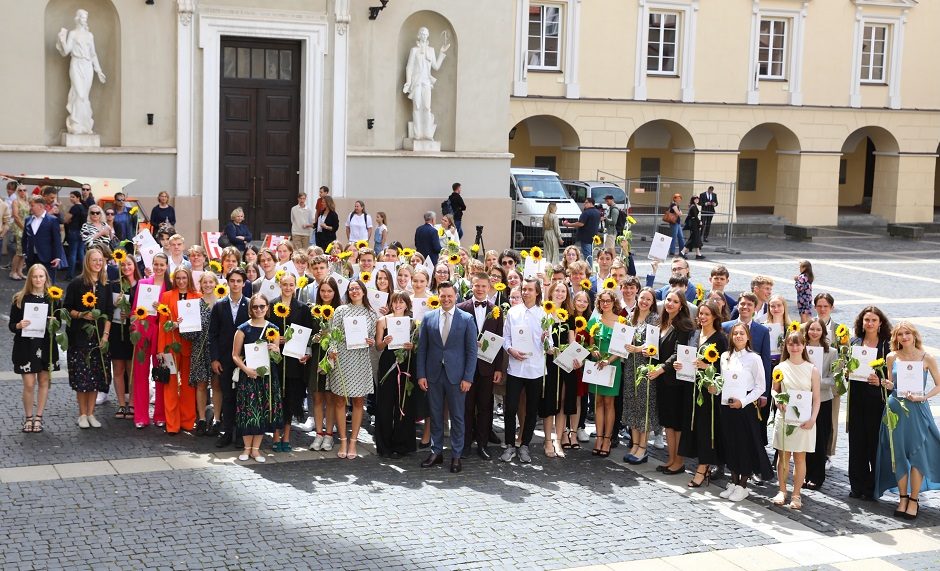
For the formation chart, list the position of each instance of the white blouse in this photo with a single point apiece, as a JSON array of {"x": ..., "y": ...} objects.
[{"x": 749, "y": 364}]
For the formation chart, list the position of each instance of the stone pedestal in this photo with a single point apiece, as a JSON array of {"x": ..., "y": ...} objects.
[
  {"x": 70, "y": 140},
  {"x": 422, "y": 145}
]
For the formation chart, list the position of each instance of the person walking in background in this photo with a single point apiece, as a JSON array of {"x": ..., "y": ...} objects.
[
  {"x": 457, "y": 207},
  {"x": 673, "y": 217},
  {"x": 803, "y": 282},
  {"x": 427, "y": 241},
  {"x": 300, "y": 223},
  {"x": 74, "y": 220},
  {"x": 237, "y": 231},
  {"x": 611, "y": 214},
  {"x": 327, "y": 223},
  {"x": 359, "y": 225},
  {"x": 587, "y": 226},
  {"x": 380, "y": 238},
  {"x": 162, "y": 214},
  {"x": 694, "y": 226},
  {"x": 708, "y": 200},
  {"x": 551, "y": 234}
]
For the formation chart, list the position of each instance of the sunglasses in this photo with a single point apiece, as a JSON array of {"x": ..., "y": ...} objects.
[
  {"x": 94, "y": 214},
  {"x": 507, "y": 263},
  {"x": 110, "y": 214},
  {"x": 259, "y": 306}
]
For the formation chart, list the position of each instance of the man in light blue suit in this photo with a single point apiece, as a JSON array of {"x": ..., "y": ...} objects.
[
  {"x": 446, "y": 360},
  {"x": 760, "y": 343}
]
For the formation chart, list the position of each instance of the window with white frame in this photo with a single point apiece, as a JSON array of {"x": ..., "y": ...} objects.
[
  {"x": 874, "y": 53},
  {"x": 544, "y": 50},
  {"x": 772, "y": 49},
  {"x": 662, "y": 45}
]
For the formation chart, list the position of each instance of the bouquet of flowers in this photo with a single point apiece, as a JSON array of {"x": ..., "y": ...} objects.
[{"x": 706, "y": 379}]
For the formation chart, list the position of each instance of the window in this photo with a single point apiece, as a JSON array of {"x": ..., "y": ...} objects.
[
  {"x": 256, "y": 63},
  {"x": 772, "y": 49},
  {"x": 662, "y": 45},
  {"x": 747, "y": 175},
  {"x": 544, "y": 37},
  {"x": 874, "y": 53}
]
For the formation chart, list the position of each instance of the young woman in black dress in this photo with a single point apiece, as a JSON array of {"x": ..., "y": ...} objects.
[
  {"x": 318, "y": 396},
  {"x": 394, "y": 415},
  {"x": 293, "y": 387}
]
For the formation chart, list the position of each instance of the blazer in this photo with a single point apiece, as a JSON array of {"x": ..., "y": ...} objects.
[
  {"x": 460, "y": 352},
  {"x": 428, "y": 242},
  {"x": 667, "y": 352},
  {"x": 171, "y": 299},
  {"x": 222, "y": 329},
  {"x": 704, "y": 199},
  {"x": 760, "y": 343},
  {"x": 46, "y": 244},
  {"x": 493, "y": 326}
]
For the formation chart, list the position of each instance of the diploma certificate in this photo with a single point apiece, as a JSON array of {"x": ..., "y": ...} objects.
[
  {"x": 400, "y": 330},
  {"x": 622, "y": 336},
  {"x": 574, "y": 352},
  {"x": 357, "y": 331},
  {"x": 910, "y": 377},
  {"x": 686, "y": 355},
  {"x": 188, "y": 310},
  {"x": 36, "y": 314},
  {"x": 865, "y": 355},
  {"x": 602, "y": 377},
  {"x": 493, "y": 343},
  {"x": 296, "y": 347}
]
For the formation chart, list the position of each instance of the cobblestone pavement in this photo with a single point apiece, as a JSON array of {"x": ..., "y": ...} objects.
[{"x": 321, "y": 512}]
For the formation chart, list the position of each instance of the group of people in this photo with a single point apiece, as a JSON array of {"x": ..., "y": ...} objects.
[{"x": 418, "y": 337}]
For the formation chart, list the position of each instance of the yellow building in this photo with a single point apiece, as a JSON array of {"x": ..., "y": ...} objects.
[{"x": 809, "y": 106}]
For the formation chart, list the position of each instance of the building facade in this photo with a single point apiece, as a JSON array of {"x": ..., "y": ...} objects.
[
  {"x": 808, "y": 106},
  {"x": 240, "y": 103}
]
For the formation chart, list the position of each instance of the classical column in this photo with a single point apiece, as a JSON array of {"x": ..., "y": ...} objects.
[
  {"x": 904, "y": 187},
  {"x": 808, "y": 187}
]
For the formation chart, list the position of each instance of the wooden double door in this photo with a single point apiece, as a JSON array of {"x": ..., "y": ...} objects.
[{"x": 259, "y": 128}]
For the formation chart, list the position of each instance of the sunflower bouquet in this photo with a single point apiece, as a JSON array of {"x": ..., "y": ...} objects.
[
  {"x": 699, "y": 293},
  {"x": 890, "y": 419},
  {"x": 707, "y": 379},
  {"x": 626, "y": 237},
  {"x": 404, "y": 356},
  {"x": 643, "y": 374},
  {"x": 845, "y": 364},
  {"x": 57, "y": 325}
]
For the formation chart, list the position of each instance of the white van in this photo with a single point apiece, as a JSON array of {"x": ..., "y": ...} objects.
[{"x": 532, "y": 190}]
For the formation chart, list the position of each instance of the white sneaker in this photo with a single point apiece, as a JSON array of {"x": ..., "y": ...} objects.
[
  {"x": 317, "y": 443},
  {"x": 83, "y": 422},
  {"x": 582, "y": 435},
  {"x": 739, "y": 493},
  {"x": 658, "y": 441},
  {"x": 101, "y": 399},
  {"x": 93, "y": 422},
  {"x": 728, "y": 490},
  {"x": 327, "y": 443},
  {"x": 308, "y": 426}
]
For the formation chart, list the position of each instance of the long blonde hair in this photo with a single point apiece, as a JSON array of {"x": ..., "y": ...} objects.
[
  {"x": 547, "y": 222},
  {"x": 88, "y": 274},
  {"x": 28, "y": 284}
]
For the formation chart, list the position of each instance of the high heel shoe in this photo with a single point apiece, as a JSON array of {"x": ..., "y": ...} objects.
[
  {"x": 341, "y": 453},
  {"x": 604, "y": 453},
  {"x": 705, "y": 480},
  {"x": 912, "y": 516},
  {"x": 900, "y": 512}
]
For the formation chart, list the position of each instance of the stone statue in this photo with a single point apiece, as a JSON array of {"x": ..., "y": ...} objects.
[
  {"x": 80, "y": 45},
  {"x": 418, "y": 85}
]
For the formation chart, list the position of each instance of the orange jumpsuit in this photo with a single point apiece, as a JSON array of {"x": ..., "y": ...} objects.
[{"x": 179, "y": 398}]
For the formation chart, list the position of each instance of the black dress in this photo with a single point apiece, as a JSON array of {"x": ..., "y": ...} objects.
[
  {"x": 31, "y": 354},
  {"x": 394, "y": 408},
  {"x": 294, "y": 385},
  {"x": 89, "y": 367},
  {"x": 555, "y": 377},
  {"x": 674, "y": 412},
  {"x": 121, "y": 348},
  {"x": 865, "y": 410},
  {"x": 694, "y": 224},
  {"x": 703, "y": 439}
]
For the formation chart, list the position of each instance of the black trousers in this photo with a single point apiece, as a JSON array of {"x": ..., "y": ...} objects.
[
  {"x": 864, "y": 413},
  {"x": 706, "y": 225},
  {"x": 478, "y": 411},
  {"x": 816, "y": 461},
  {"x": 228, "y": 398},
  {"x": 533, "y": 393}
]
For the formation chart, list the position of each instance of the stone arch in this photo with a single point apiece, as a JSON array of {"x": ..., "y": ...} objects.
[
  {"x": 546, "y": 141},
  {"x": 105, "y": 24},
  {"x": 868, "y": 171},
  {"x": 768, "y": 166},
  {"x": 444, "y": 98},
  {"x": 664, "y": 151}
]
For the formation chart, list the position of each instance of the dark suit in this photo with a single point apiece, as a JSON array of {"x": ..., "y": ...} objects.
[
  {"x": 708, "y": 200},
  {"x": 459, "y": 355},
  {"x": 44, "y": 245},
  {"x": 221, "y": 339},
  {"x": 479, "y": 410},
  {"x": 760, "y": 343},
  {"x": 428, "y": 242}
]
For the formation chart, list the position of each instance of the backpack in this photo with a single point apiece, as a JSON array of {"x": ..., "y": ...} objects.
[
  {"x": 621, "y": 220},
  {"x": 446, "y": 208}
]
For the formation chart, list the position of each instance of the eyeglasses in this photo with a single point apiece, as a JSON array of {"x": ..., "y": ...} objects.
[
  {"x": 605, "y": 301},
  {"x": 507, "y": 263},
  {"x": 445, "y": 272},
  {"x": 110, "y": 214},
  {"x": 259, "y": 306}
]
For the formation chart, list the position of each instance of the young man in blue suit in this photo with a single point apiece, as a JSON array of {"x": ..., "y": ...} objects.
[
  {"x": 446, "y": 361},
  {"x": 42, "y": 243}
]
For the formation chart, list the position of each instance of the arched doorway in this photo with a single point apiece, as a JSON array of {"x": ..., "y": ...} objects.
[
  {"x": 661, "y": 158},
  {"x": 768, "y": 166},
  {"x": 547, "y": 142},
  {"x": 868, "y": 171}
]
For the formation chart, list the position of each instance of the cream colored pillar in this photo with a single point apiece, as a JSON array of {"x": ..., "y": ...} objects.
[
  {"x": 808, "y": 188},
  {"x": 904, "y": 188},
  {"x": 603, "y": 163},
  {"x": 721, "y": 169}
]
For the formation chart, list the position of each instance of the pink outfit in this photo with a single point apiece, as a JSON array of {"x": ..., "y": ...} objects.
[{"x": 147, "y": 346}]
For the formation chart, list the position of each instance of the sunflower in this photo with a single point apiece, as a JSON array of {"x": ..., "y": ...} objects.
[
  {"x": 278, "y": 275},
  {"x": 141, "y": 312},
  {"x": 134, "y": 211},
  {"x": 711, "y": 353},
  {"x": 777, "y": 376},
  {"x": 524, "y": 254},
  {"x": 440, "y": 231},
  {"x": 366, "y": 277},
  {"x": 650, "y": 351},
  {"x": 499, "y": 286},
  {"x": 586, "y": 284},
  {"x": 119, "y": 255},
  {"x": 344, "y": 255},
  {"x": 842, "y": 331},
  {"x": 316, "y": 311},
  {"x": 844, "y": 339},
  {"x": 561, "y": 314},
  {"x": 360, "y": 244},
  {"x": 281, "y": 310},
  {"x": 631, "y": 219},
  {"x": 302, "y": 282},
  {"x": 496, "y": 312},
  {"x": 55, "y": 293},
  {"x": 89, "y": 300},
  {"x": 794, "y": 326},
  {"x": 452, "y": 244},
  {"x": 580, "y": 323},
  {"x": 434, "y": 302},
  {"x": 622, "y": 320},
  {"x": 329, "y": 248},
  {"x": 163, "y": 310},
  {"x": 221, "y": 290},
  {"x": 610, "y": 283},
  {"x": 597, "y": 240},
  {"x": 548, "y": 306},
  {"x": 474, "y": 248},
  {"x": 271, "y": 335},
  {"x": 407, "y": 252},
  {"x": 699, "y": 292},
  {"x": 536, "y": 253},
  {"x": 453, "y": 259},
  {"x": 327, "y": 312},
  {"x": 876, "y": 363},
  {"x": 215, "y": 266},
  {"x": 594, "y": 329}
]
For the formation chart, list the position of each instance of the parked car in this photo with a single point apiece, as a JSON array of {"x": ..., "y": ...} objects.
[
  {"x": 578, "y": 190},
  {"x": 532, "y": 190}
]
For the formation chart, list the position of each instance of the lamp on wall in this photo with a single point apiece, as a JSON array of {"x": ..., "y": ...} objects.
[
  {"x": 148, "y": 2},
  {"x": 374, "y": 10}
]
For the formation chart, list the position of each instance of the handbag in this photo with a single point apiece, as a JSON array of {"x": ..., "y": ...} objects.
[
  {"x": 224, "y": 241},
  {"x": 161, "y": 374},
  {"x": 670, "y": 217}
]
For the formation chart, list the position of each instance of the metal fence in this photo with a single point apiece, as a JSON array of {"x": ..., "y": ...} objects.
[{"x": 650, "y": 198}]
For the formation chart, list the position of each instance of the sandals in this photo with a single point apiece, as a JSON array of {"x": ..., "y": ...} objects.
[
  {"x": 796, "y": 502},
  {"x": 912, "y": 516},
  {"x": 260, "y": 459},
  {"x": 37, "y": 424},
  {"x": 604, "y": 453},
  {"x": 549, "y": 449},
  {"x": 566, "y": 440},
  {"x": 706, "y": 478},
  {"x": 575, "y": 445},
  {"x": 351, "y": 455},
  {"x": 341, "y": 453},
  {"x": 901, "y": 512},
  {"x": 121, "y": 412},
  {"x": 28, "y": 424}
]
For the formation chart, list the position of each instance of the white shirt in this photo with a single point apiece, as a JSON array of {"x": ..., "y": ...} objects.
[
  {"x": 234, "y": 305},
  {"x": 480, "y": 313},
  {"x": 36, "y": 222},
  {"x": 749, "y": 364},
  {"x": 358, "y": 225},
  {"x": 530, "y": 318}
]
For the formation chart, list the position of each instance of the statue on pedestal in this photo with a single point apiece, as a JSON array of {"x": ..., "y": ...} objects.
[
  {"x": 79, "y": 43},
  {"x": 418, "y": 85}
]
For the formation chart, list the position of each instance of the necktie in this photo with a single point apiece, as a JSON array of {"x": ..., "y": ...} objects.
[{"x": 446, "y": 331}]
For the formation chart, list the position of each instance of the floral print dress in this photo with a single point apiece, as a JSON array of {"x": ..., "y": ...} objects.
[
  {"x": 258, "y": 401},
  {"x": 200, "y": 367}
]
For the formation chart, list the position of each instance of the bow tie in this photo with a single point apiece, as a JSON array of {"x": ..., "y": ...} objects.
[{"x": 479, "y": 304}]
